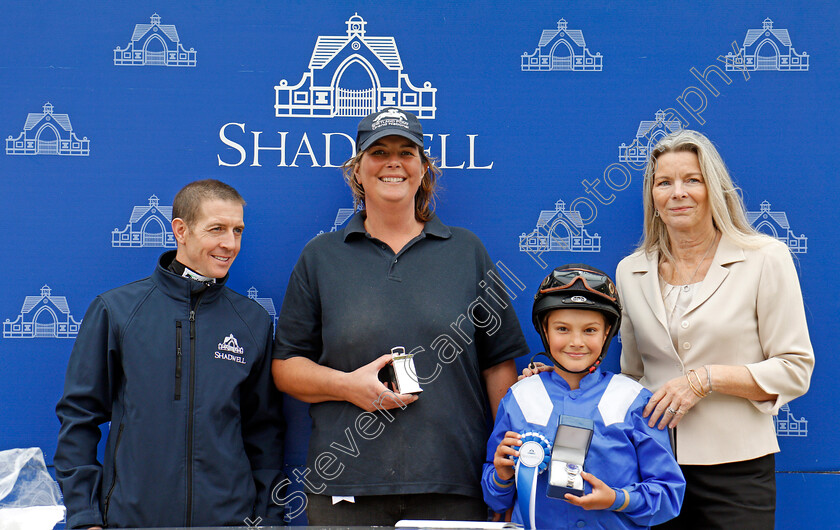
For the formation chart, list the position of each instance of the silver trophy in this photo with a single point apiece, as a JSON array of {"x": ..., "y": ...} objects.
[{"x": 400, "y": 372}]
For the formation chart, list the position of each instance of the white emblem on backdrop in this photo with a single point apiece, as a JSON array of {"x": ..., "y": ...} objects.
[
  {"x": 353, "y": 75},
  {"x": 558, "y": 230},
  {"x": 341, "y": 217},
  {"x": 44, "y": 316},
  {"x": 267, "y": 303},
  {"x": 562, "y": 49},
  {"x": 46, "y": 133},
  {"x": 776, "y": 224},
  {"x": 788, "y": 425},
  {"x": 647, "y": 136},
  {"x": 149, "y": 226},
  {"x": 767, "y": 49},
  {"x": 154, "y": 44}
]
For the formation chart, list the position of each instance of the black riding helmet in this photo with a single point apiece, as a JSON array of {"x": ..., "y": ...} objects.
[{"x": 577, "y": 286}]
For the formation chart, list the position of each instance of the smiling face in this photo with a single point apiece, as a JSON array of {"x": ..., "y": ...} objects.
[
  {"x": 390, "y": 172},
  {"x": 575, "y": 339},
  {"x": 679, "y": 192},
  {"x": 212, "y": 243}
]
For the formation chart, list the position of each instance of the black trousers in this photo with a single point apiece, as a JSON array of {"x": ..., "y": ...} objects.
[
  {"x": 737, "y": 495},
  {"x": 386, "y": 510}
]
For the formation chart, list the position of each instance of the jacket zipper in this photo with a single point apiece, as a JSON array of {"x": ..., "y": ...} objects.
[
  {"x": 178, "y": 358},
  {"x": 113, "y": 484},
  {"x": 192, "y": 405}
]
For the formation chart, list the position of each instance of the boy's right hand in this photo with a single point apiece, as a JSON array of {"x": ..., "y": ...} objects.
[
  {"x": 601, "y": 497},
  {"x": 503, "y": 459}
]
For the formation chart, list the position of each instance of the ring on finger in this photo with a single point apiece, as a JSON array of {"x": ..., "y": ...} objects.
[{"x": 672, "y": 411}]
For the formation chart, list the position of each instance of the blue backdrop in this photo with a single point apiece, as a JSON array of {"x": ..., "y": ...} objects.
[{"x": 539, "y": 113}]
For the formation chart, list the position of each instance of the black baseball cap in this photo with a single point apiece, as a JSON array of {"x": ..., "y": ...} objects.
[{"x": 389, "y": 121}]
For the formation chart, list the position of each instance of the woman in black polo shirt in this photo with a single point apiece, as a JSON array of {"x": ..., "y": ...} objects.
[{"x": 395, "y": 276}]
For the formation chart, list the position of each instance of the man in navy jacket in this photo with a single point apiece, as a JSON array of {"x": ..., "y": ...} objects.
[{"x": 180, "y": 366}]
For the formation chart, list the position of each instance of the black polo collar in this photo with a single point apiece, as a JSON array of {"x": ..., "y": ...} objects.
[{"x": 433, "y": 227}]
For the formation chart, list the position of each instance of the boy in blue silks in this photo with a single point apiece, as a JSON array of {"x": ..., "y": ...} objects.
[{"x": 570, "y": 447}]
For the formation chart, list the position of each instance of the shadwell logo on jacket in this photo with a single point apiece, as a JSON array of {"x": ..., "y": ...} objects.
[{"x": 230, "y": 350}]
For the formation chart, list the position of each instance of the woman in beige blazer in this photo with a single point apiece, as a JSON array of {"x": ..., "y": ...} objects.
[{"x": 714, "y": 325}]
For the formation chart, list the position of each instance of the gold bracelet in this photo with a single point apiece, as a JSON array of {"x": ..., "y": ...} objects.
[
  {"x": 694, "y": 389},
  {"x": 697, "y": 378},
  {"x": 699, "y": 383}
]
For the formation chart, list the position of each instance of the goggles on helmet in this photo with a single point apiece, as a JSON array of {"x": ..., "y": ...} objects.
[{"x": 594, "y": 282}]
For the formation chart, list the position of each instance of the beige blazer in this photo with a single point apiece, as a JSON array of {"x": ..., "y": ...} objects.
[{"x": 748, "y": 311}]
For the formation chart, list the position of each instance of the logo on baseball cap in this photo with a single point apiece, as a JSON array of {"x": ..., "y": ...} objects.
[{"x": 387, "y": 122}]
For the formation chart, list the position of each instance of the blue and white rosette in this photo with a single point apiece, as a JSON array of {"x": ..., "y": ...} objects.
[{"x": 533, "y": 459}]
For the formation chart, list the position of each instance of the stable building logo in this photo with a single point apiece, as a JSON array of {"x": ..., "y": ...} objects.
[
  {"x": 266, "y": 303},
  {"x": 767, "y": 49},
  {"x": 353, "y": 75},
  {"x": 789, "y": 425},
  {"x": 45, "y": 316},
  {"x": 648, "y": 135},
  {"x": 562, "y": 50},
  {"x": 154, "y": 44},
  {"x": 341, "y": 217},
  {"x": 775, "y": 224},
  {"x": 148, "y": 226},
  {"x": 229, "y": 350},
  {"x": 558, "y": 230},
  {"x": 47, "y": 133}
]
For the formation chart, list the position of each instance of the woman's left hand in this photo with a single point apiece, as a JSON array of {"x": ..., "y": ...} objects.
[
  {"x": 670, "y": 403},
  {"x": 533, "y": 369}
]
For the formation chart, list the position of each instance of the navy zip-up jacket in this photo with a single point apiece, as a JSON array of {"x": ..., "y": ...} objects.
[{"x": 182, "y": 370}]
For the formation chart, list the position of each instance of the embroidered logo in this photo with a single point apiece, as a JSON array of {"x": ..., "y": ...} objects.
[
  {"x": 230, "y": 350},
  {"x": 392, "y": 117}
]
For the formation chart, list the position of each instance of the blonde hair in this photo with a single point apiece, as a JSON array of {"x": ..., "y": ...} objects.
[
  {"x": 725, "y": 203},
  {"x": 424, "y": 199}
]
